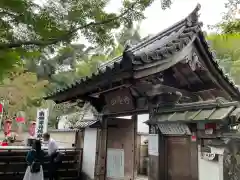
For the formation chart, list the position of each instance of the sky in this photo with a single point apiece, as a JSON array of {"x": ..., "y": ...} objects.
[{"x": 157, "y": 19}]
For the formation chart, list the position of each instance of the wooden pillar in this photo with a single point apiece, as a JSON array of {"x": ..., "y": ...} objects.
[
  {"x": 162, "y": 160},
  {"x": 101, "y": 153},
  {"x": 153, "y": 155},
  {"x": 135, "y": 168},
  {"x": 157, "y": 161}
]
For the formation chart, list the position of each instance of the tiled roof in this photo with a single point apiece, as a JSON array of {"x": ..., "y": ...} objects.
[
  {"x": 198, "y": 111},
  {"x": 157, "y": 49},
  {"x": 85, "y": 123},
  {"x": 161, "y": 45}
]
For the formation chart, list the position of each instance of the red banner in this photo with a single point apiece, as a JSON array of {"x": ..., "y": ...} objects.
[
  {"x": 1, "y": 107},
  {"x": 20, "y": 119}
]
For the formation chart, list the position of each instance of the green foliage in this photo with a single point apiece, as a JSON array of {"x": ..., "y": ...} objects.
[
  {"x": 22, "y": 91},
  {"x": 57, "y": 110},
  {"x": 82, "y": 61},
  {"x": 228, "y": 52},
  {"x": 227, "y": 43},
  {"x": 230, "y": 24},
  {"x": 27, "y": 27}
]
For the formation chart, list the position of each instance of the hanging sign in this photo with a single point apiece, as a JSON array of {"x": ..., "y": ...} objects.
[
  {"x": 42, "y": 122},
  {"x": 119, "y": 101},
  {"x": 153, "y": 144}
]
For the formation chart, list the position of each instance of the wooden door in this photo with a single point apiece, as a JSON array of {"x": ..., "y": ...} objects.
[
  {"x": 179, "y": 158},
  {"x": 121, "y": 134}
]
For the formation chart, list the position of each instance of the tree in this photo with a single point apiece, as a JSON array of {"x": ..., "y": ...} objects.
[
  {"x": 75, "y": 118},
  {"x": 230, "y": 24},
  {"x": 21, "y": 91},
  {"x": 58, "y": 110},
  {"x": 228, "y": 52},
  {"x": 76, "y": 60},
  {"x": 28, "y": 29}
]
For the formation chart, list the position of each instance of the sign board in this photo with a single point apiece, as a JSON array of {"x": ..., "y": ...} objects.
[
  {"x": 41, "y": 123},
  {"x": 153, "y": 144},
  {"x": 209, "y": 131},
  {"x": 208, "y": 156},
  {"x": 174, "y": 129},
  {"x": 115, "y": 163},
  {"x": 119, "y": 101}
]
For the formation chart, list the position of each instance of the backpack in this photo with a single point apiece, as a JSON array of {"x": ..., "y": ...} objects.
[
  {"x": 58, "y": 157},
  {"x": 35, "y": 167}
]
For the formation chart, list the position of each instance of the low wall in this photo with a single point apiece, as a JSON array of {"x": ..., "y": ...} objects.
[
  {"x": 13, "y": 164},
  {"x": 63, "y": 138}
]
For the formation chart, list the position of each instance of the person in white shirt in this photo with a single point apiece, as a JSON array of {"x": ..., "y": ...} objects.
[{"x": 53, "y": 154}]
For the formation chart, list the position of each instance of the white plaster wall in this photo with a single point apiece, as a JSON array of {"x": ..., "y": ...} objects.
[
  {"x": 89, "y": 152},
  {"x": 141, "y": 127},
  {"x": 210, "y": 170}
]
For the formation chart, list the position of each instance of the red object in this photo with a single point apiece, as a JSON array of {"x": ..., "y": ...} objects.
[
  {"x": 1, "y": 108},
  {"x": 194, "y": 138},
  {"x": 20, "y": 119},
  {"x": 4, "y": 144},
  {"x": 211, "y": 126},
  {"x": 32, "y": 129}
]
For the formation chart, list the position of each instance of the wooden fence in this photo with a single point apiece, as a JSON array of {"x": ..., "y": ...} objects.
[{"x": 13, "y": 164}]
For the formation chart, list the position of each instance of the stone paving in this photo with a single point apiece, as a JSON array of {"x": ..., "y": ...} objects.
[{"x": 140, "y": 177}]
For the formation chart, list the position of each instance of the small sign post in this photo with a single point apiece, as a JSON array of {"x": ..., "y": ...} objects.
[{"x": 42, "y": 122}]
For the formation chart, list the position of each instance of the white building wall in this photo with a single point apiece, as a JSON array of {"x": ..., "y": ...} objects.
[{"x": 210, "y": 170}]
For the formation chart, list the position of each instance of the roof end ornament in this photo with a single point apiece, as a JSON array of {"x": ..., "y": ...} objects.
[
  {"x": 192, "y": 18},
  {"x": 127, "y": 55}
]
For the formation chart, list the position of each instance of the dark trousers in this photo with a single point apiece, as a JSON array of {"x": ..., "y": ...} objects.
[{"x": 53, "y": 174}]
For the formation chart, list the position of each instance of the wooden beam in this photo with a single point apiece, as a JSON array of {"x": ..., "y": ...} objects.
[
  {"x": 212, "y": 93},
  {"x": 159, "y": 89},
  {"x": 112, "y": 89}
]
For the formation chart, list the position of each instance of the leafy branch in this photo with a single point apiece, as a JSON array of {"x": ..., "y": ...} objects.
[{"x": 69, "y": 34}]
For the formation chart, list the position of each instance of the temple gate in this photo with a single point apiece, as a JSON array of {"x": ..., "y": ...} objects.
[{"x": 175, "y": 78}]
